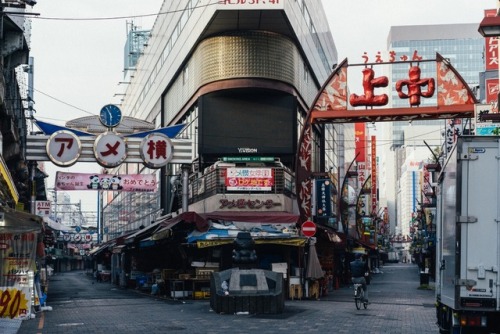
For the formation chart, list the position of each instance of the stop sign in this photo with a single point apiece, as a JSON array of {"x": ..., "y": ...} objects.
[{"x": 309, "y": 228}]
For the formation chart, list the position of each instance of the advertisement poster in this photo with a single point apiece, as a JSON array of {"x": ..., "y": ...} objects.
[
  {"x": 252, "y": 179},
  {"x": 82, "y": 181},
  {"x": 17, "y": 264}
]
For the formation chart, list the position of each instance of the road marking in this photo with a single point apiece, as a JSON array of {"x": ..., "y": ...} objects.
[
  {"x": 42, "y": 321},
  {"x": 71, "y": 324}
]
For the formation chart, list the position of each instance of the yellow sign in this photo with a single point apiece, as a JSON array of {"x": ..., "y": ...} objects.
[
  {"x": 14, "y": 303},
  {"x": 5, "y": 174},
  {"x": 298, "y": 242}
]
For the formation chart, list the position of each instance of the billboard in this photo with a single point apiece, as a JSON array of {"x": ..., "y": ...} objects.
[{"x": 237, "y": 123}]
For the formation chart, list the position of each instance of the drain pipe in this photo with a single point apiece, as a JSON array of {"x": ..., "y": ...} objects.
[{"x": 185, "y": 189}]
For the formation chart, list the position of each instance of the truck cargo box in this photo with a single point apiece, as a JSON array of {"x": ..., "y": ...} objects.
[{"x": 468, "y": 230}]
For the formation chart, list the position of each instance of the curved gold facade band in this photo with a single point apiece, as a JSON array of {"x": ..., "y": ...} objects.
[{"x": 246, "y": 54}]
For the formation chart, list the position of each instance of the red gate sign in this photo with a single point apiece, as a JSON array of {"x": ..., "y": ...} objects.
[{"x": 309, "y": 228}]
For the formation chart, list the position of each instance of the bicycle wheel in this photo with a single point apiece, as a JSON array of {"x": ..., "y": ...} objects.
[
  {"x": 362, "y": 298},
  {"x": 357, "y": 298}
]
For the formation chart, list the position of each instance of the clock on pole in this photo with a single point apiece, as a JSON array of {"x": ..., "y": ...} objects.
[{"x": 110, "y": 115}]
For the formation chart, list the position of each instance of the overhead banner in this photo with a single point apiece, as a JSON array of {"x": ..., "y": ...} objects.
[{"x": 83, "y": 181}]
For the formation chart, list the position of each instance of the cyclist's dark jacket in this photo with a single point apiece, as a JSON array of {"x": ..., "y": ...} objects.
[{"x": 358, "y": 268}]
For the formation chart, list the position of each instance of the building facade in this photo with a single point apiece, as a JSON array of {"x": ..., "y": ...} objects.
[
  {"x": 15, "y": 109},
  {"x": 241, "y": 77}
]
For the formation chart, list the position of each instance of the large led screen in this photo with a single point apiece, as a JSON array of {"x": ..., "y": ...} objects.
[{"x": 247, "y": 122}]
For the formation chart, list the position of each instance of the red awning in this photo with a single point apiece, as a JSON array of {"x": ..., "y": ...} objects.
[
  {"x": 201, "y": 219},
  {"x": 188, "y": 217},
  {"x": 269, "y": 217}
]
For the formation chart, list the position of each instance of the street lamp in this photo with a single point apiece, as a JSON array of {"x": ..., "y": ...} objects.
[{"x": 490, "y": 26}]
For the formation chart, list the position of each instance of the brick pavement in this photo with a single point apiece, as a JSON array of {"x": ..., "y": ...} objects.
[{"x": 397, "y": 306}]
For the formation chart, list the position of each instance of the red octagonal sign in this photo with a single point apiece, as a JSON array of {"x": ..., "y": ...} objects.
[{"x": 309, "y": 228}]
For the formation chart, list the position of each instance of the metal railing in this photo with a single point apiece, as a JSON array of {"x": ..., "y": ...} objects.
[{"x": 213, "y": 182}]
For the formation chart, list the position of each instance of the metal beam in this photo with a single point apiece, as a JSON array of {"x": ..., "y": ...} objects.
[{"x": 37, "y": 151}]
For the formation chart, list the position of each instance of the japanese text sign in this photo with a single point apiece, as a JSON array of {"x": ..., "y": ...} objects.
[
  {"x": 64, "y": 148},
  {"x": 17, "y": 262},
  {"x": 83, "y": 181},
  {"x": 253, "y": 179}
]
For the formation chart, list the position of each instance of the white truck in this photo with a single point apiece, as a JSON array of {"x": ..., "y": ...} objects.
[{"x": 468, "y": 238}]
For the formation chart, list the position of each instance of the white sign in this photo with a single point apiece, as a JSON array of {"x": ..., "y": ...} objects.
[
  {"x": 110, "y": 149},
  {"x": 249, "y": 179},
  {"x": 486, "y": 128},
  {"x": 42, "y": 208},
  {"x": 156, "y": 150},
  {"x": 64, "y": 148},
  {"x": 253, "y": 4}
]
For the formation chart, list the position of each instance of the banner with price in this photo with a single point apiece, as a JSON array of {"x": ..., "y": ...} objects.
[{"x": 17, "y": 262}]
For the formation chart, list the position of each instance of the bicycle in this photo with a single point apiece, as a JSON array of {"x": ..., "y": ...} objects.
[{"x": 359, "y": 296}]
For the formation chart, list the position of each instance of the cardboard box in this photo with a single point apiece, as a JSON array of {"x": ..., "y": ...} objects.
[
  {"x": 180, "y": 294},
  {"x": 281, "y": 267}
]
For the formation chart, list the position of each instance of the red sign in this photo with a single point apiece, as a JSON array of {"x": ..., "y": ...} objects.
[
  {"x": 309, "y": 228},
  {"x": 374, "y": 174},
  {"x": 251, "y": 179},
  {"x": 491, "y": 46},
  {"x": 360, "y": 141}
]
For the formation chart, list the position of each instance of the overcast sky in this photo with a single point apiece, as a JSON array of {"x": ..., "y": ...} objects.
[{"x": 78, "y": 63}]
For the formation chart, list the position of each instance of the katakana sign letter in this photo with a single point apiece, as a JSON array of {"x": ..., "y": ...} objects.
[{"x": 63, "y": 148}]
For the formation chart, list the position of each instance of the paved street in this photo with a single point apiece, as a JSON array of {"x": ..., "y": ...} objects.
[{"x": 397, "y": 306}]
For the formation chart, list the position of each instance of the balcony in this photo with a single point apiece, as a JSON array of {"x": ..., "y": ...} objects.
[{"x": 210, "y": 191}]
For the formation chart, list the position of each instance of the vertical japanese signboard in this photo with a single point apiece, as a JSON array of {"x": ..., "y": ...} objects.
[
  {"x": 323, "y": 197},
  {"x": 360, "y": 141},
  {"x": 374, "y": 174},
  {"x": 491, "y": 47},
  {"x": 17, "y": 262}
]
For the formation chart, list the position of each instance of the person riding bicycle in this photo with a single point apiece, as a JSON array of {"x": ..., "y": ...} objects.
[{"x": 358, "y": 270}]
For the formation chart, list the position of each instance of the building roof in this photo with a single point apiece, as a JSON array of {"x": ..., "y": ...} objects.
[{"x": 433, "y": 32}]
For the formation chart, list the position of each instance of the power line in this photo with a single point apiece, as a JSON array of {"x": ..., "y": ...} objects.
[{"x": 109, "y": 18}]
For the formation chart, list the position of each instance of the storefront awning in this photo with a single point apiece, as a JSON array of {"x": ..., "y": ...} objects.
[
  {"x": 264, "y": 222},
  {"x": 188, "y": 217},
  {"x": 267, "y": 217},
  {"x": 297, "y": 242},
  {"x": 56, "y": 225},
  {"x": 201, "y": 219},
  {"x": 12, "y": 221},
  {"x": 143, "y": 233},
  {"x": 99, "y": 249},
  {"x": 118, "y": 249}
]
